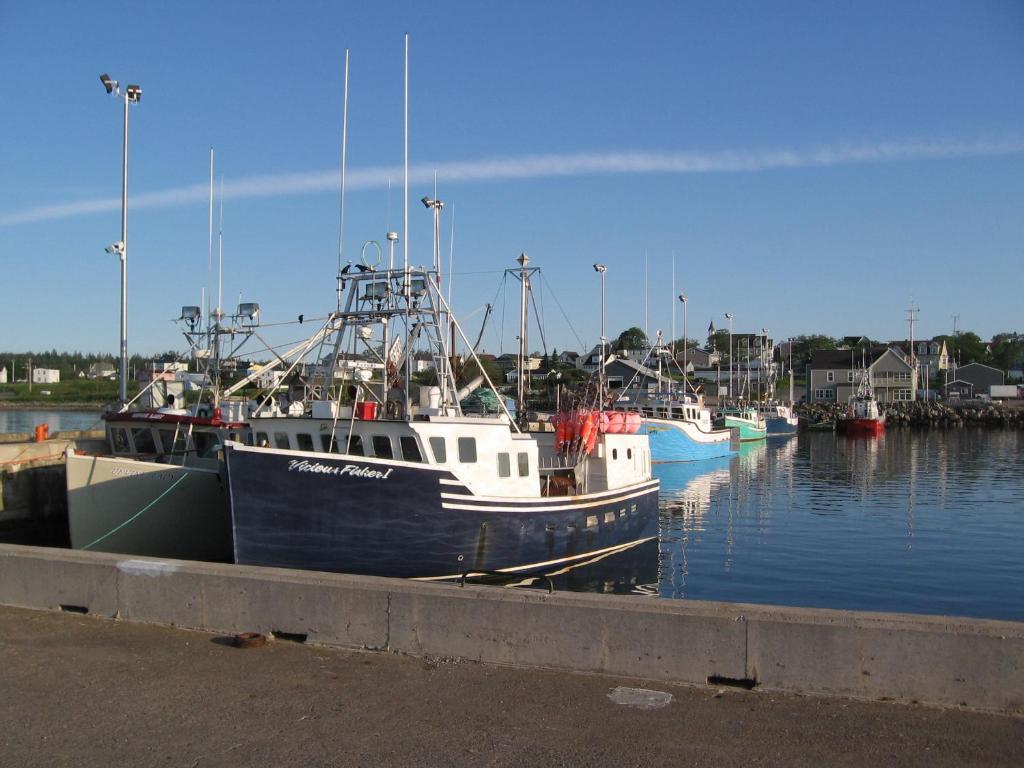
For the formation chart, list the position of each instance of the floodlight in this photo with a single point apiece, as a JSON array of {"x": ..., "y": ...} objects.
[
  {"x": 134, "y": 93},
  {"x": 116, "y": 248},
  {"x": 249, "y": 310},
  {"x": 109, "y": 84},
  {"x": 427, "y": 202},
  {"x": 392, "y": 237},
  {"x": 190, "y": 313},
  {"x": 682, "y": 297},
  {"x": 600, "y": 268},
  {"x": 418, "y": 287}
]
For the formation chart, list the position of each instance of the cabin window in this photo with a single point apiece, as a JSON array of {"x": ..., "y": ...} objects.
[
  {"x": 629, "y": 453},
  {"x": 305, "y": 441},
  {"x": 524, "y": 464},
  {"x": 119, "y": 440},
  {"x": 410, "y": 448},
  {"x": 355, "y": 445},
  {"x": 615, "y": 454},
  {"x": 262, "y": 440},
  {"x": 281, "y": 440},
  {"x": 504, "y": 465},
  {"x": 467, "y": 450},
  {"x": 143, "y": 438},
  {"x": 206, "y": 444},
  {"x": 325, "y": 443},
  {"x": 382, "y": 447},
  {"x": 174, "y": 440},
  {"x": 439, "y": 449}
]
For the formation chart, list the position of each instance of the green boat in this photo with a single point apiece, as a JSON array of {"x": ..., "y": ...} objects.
[{"x": 746, "y": 419}]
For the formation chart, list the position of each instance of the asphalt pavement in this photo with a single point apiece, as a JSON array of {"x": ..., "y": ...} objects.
[{"x": 82, "y": 691}]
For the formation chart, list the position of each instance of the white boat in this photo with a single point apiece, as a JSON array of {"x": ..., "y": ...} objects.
[{"x": 379, "y": 480}]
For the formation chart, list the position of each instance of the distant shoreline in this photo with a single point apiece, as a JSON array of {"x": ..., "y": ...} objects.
[{"x": 47, "y": 406}]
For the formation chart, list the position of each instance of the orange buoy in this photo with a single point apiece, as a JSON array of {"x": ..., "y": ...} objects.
[
  {"x": 632, "y": 423},
  {"x": 588, "y": 431},
  {"x": 616, "y": 422},
  {"x": 42, "y": 432}
]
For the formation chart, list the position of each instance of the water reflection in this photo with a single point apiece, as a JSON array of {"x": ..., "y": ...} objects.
[{"x": 917, "y": 521}]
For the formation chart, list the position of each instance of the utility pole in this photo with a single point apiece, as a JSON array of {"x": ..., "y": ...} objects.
[{"x": 912, "y": 319}]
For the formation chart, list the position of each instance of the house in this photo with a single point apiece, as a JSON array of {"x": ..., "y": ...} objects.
[
  {"x": 3, "y": 374},
  {"x": 566, "y": 357},
  {"x": 102, "y": 371},
  {"x": 834, "y": 374},
  {"x": 979, "y": 376},
  {"x": 622, "y": 372},
  {"x": 45, "y": 376},
  {"x": 932, "y": 355},
  {"x": 698, "y": 358}
]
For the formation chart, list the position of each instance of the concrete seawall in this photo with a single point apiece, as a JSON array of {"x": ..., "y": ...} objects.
[{"x": 932, "y": 660}]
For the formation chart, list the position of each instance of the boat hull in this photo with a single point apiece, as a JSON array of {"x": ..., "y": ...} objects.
[
  {"x": 779, "y": 426},
  {"x": 865, "y": 427},
  {"x": 748, "y": 431},
  {"x": 146, "y": 508},
  {"x": 377, "y": 517},
  {"x": 676, "y": 440}
]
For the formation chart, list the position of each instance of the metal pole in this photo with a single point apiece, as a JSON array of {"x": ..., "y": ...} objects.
[{"x": 124, "y": 259}]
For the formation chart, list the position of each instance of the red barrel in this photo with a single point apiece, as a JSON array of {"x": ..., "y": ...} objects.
[{"x": 366, "y": 410}]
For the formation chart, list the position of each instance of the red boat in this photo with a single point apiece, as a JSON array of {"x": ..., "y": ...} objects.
[{"x": 862, "y": 417}]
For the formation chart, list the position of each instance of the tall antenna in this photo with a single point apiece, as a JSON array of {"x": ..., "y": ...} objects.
[
  {"x": 645, "y": 295},
  {"x": 955, "y": 319},
  {"x": 405, "y": 173},
  {"x": 344, "y": 149},
  {"x": 209, "y": 253},
  {"x": 673, "y": 305},
  {"x": 220, "y": 250}
]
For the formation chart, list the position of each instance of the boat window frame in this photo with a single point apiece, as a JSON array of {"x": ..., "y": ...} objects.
[
  {"x": 523, "y": 460},
  {"x": 282, "y": 437},
  {"x": 467, "y": 450},
  {"x": 440, "y": 457},
  {"x": 407, "y": 441},
  {"x": 381, "y": 440},
  {"x": 148, "y": 433},
  {"x": 504, "y": 464},
  {"x": 300, "y": 438}
]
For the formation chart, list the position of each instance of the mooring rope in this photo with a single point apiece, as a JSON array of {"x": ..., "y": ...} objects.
[{"x": 137, "y": 514}]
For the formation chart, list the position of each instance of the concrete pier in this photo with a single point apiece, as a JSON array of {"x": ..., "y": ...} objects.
[
  {"x": 948, "y": 662},
  {"x": 86, "y": 692}
]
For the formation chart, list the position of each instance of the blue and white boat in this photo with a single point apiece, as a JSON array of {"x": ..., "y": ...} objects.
[
  {"x": 779, "y": 419},
  {"x": 679, "y": 428},
  {"x": 677, "y": 423},
  {"x": 377, "y": 482}
]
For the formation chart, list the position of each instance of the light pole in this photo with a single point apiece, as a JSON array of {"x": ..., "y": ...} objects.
[
  {"x": 131, "y": 95},
  {"x": 767, "y": 374},
  {"x": 729, "y": 316},
  {"x": 601, "y": 269},
  {"x": 686, "y": 341}
]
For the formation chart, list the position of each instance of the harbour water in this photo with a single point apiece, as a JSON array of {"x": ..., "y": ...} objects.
[
  {"x": 915, "y": 521},
  {"x": 26, "y": 420}
]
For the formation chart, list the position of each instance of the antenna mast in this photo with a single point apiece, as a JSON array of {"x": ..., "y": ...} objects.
[{"x": 344, "y": 149}]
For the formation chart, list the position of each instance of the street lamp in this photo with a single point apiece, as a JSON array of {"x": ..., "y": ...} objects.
[
  {"x": 601, "y": 269},
  {"x": 682, "y": 298},
  {"x": 132, "y": 95},
  {"x": 729, "y": 316}
]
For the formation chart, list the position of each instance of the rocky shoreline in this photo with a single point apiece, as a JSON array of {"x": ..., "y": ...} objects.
[{"x": 923, "y": 414}]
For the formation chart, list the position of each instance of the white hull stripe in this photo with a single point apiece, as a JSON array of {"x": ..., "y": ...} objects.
[
  {"x": 533, "y": 508},
  {"x": 548, "y": 563},
  {"x": 646, "y": 485}
]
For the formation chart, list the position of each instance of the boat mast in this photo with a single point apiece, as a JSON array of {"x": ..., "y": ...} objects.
[
  {"x": 406, "y": 288},
  {"x": 341, "y": 204},
  {"x": 521, "y": 390}
]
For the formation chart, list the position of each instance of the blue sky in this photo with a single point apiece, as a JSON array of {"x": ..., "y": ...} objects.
[{"x": 814, "y": 167}]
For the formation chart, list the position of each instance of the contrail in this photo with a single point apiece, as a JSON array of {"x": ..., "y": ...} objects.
[{"x": 538, "y": 167}]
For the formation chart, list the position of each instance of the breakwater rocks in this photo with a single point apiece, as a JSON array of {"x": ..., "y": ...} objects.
[{"x": 924, "y": 414}]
